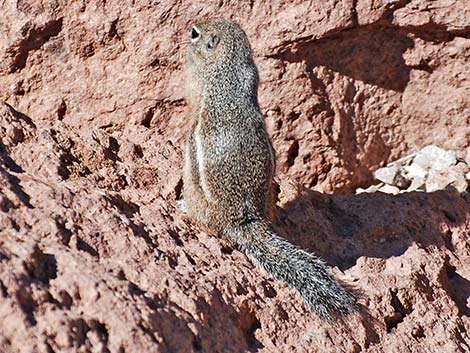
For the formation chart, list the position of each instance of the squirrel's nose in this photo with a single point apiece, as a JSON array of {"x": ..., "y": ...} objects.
[{"x": 195, "y": 33}]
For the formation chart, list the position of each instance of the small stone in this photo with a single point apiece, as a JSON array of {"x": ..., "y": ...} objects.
[
  {"x": 17, "y": 88},
  {"x": 417, "y": 175},
  {"x": 370, "y": 189},
  {"x": 435, "y": 157},
  {"x": 414, "y": 171},
  {"x": 403, "y": 160},
  {"x": 467, "y": 156},
  {"x": 441, "y": 176},
  {"x": 401, "y": 181},
  {"x": 417, "y": 184},
  {"x": 438, "y": 180},
  {"x": 460, "y": 184},
  {"x": 422, "y": 161},
  {"x": 181, "y": 206},
  {"x": 389, "y": 189},
  {"x": 387, "y": 174}
]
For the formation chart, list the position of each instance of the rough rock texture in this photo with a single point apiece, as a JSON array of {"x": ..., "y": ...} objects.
[{"x": 94, "y": 256}]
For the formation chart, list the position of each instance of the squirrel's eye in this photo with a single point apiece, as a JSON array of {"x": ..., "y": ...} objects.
[
  {"x": 194, "y": 34},
  {"x": 213, "y": 42}
]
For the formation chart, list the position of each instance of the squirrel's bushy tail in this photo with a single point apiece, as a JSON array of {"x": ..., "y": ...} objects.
[{"x": 303, "y": 272}]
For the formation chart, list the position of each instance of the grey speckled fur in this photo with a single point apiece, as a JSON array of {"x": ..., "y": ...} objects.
[{"x": 229, "y": 165}]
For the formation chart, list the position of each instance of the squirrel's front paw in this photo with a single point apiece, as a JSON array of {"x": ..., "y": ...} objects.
[{"x": 181, "y": 206}]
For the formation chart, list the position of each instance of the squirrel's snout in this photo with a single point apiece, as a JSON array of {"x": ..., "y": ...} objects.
[{"x": 195, "y": 34}]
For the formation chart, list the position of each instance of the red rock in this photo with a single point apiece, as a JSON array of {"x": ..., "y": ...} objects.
[{"x": 94, "y": 256}]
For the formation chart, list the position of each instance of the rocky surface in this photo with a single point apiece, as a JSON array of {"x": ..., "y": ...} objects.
[
  {"x": 95, "y": 258},
  {"x": 429, "y": 170}
]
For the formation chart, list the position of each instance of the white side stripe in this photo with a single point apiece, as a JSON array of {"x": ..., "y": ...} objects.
[{"x": 201, "y": 165}]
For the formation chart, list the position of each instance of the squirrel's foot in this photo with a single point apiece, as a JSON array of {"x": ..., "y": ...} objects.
[{"x": 181, "y": 206}]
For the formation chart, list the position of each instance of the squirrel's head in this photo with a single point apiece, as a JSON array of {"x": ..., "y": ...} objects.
[
  {"x": 220, "y": 54},
  {"x": 217, "y": 42}
]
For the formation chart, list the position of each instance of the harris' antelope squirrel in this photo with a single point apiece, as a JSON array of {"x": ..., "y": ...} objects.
[{"x": 229, "y": 165}]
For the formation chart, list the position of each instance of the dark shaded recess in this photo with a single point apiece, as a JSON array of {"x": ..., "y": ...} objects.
[
  {"x": 130, "y": 209},
  {"x": 25, "y": 300},
  {"x": 448, "y": 240},
  {"x": 451, "y": 217},
  {"x": 64, "y": 233},
  {"x": 121, "y": 275},
  {"x": 226, "y": 248},
  {"x": 41, "y": 266},
  {"x": 113, "y": 32},
  {"x": 172, "y": 262},
  {"x": 7, "y": 164},
  {"x": 61, "y": 110},
  {"x": 249, "y": 323},
  {"x": 437, "y": 33},
  {"x": 175, "y": 236},
  {"x": 292, "y": 153},
  {"x": 48, "y": 346},
  {"x": 148, "y": 332},
  {"x": 399, "y": 312},
  {"x": 66, "y": 300},
  {"x": 190, "y": 259},
  {"x": 68, "y": 159},
  {"x": 418, "y": 332},
  {"x": 147, "y": 117},
  {"x": 15, "y": 187},
  {"x": 4, "y": 256},
  {"x": 458, "y": 288},
  {"x": 84, "y": 246},
  {"x": 112, "y": 151},
  {"x": 269, "y": 290},
  {"x": 6, "y": 160},
  {"x": 3, "y": 290},
  {"x": 20, "y": 116},
  {"x": 153, "y": 116},
  {"x": 78, "y": 329},
  {"x": 34, "y": 39},
  {"x": 179, "y": 189},
  {"x": 101, "y": 330},
  {"x": 135, "y": 289},
  {"x": 40, "y": 269},
  {"x": 197, "y": 344}
]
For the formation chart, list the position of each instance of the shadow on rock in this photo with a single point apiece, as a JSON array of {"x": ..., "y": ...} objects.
[
  {"x": 6, "y": 165},
  {"x": 342, "y": 228},
  {"x": 372, "y": 54},
  {"x": 181, "y": 333}
]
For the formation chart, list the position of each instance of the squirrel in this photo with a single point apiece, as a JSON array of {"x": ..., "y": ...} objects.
[{"x": 229, "y": 165}]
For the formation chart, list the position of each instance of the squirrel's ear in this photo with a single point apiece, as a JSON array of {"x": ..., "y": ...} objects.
[{"x": 212, "y": 43}]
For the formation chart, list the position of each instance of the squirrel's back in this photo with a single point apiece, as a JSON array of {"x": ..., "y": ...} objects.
[
  {"x": 228, "y": 146},
  {"x": 229, "y": 165}
]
